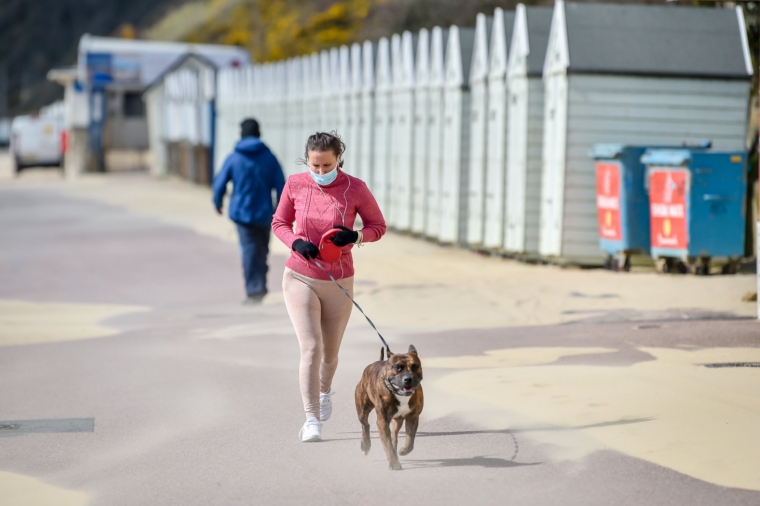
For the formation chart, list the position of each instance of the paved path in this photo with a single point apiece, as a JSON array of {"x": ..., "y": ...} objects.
[{"x": 132, "y": 375}]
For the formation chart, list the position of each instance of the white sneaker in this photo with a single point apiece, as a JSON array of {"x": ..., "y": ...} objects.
[
  {"x": 325, "y": 405},
  {"x": 311, "y": 430}
]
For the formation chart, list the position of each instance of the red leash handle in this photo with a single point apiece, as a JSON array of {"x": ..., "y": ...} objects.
[{"x": 328, "y": 251}]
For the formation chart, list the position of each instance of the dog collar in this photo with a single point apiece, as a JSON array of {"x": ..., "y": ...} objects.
[{"x": 390, "y": 387}]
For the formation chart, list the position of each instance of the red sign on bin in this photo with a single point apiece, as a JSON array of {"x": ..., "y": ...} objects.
[
  {"x": 608, "y": 200},
  {"x": 667, "y": 208}
]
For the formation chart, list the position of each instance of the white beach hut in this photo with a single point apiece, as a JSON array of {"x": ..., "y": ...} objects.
[
  {"x": 336, "y": 90},
  {"x": 188, "y": 88},
  {"x": 254, "y": 92},
  {"x": 496, "y": 137},
  {"x": 253, "y": 104},
  {"x": 421, "y": 132},
  {"x": 343, "y": 102},
  {"x": 263, "y": 103},
  {"x": 367, "y": 114},
  {"x": 526, "y": 119},
  {"x": 231, "y": 99},
  {"x": 306, "y": 86},
  {"x": 180, "y": 106},
  {"x": 456, "y": 136},
  {"x": 293, "y": 117},
  {"x": 326, "y": 122},
  {"x": 436, "y": 80},
  {"x": 278, "y": 120},
  {"x": 283, "y": 99},
  {"x": 382, "y": 125},
  {"x": 172, "y": 131},
  {"x": 269, "y": 121},
  {"x": 403, "y": 144},
  {"x": 394, "y": 137},
  {"x": 478, "y": 81},
  {"x": 225, "y": 103},
  {"x": 245, "y": 93},
  {"x": 634, "y": 74},
  {"x": 353, "y": 132},
  {"x": 314, "y": 94},
  {"x": 241, "y": 101}
]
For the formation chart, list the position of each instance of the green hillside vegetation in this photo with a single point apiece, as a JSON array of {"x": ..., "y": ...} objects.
[
  {"x": 276, "y": 29},
  {"x": 182, "y": 21}
]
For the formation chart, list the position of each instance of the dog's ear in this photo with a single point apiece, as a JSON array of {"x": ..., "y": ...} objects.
[
  {"x": 412, "y": 349},
  {"x": 382, "y": 354}
]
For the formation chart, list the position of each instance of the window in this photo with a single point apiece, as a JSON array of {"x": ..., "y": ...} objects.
[{"x": 134, "y": 107}]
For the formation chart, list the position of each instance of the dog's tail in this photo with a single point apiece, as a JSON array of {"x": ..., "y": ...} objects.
[{"x": 382, "y": 354}]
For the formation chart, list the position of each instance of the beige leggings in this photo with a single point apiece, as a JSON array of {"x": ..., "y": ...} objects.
[{"x": 319, "y": 311}]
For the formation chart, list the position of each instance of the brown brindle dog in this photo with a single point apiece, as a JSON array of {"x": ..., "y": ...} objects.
[{"x": 392, "y": 388}]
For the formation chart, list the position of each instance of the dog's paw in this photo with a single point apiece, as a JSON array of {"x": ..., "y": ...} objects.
[
  {"x": 406, "y": 451},
  {"x": 395, "y": 466},
  {"x": 365, "y": 447}
]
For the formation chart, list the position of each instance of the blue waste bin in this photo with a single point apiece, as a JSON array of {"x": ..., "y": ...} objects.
[
  {"x": 622, "y": 202},
  {"x": 696, "y": 207}
]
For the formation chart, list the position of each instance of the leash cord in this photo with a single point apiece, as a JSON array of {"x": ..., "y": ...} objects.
[{"x": 387, "y": 348}]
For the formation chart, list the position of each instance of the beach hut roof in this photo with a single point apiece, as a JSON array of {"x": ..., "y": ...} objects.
[{"x": 656, "y": 40}]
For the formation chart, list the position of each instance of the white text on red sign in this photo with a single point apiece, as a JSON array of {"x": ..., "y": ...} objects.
[
  {"x": 667, "y": 210},
  {"x": 605, "y": 202}
]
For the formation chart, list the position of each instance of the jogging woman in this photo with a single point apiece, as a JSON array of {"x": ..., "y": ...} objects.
[{"x": 320, "y": 199}]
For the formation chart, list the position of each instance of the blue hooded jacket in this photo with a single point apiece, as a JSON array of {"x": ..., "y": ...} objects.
[{"x": 254, "y": 172}]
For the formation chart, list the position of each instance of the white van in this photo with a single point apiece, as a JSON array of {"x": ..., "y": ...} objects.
[{"x": 37, "y": 141}]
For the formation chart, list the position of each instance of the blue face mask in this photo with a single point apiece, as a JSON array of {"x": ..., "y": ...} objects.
[{"x": 324, "y": 179}]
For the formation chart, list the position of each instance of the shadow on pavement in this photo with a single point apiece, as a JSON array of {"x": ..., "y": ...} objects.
[
  {"x": 480, "y": 461},
  {"x": 532, "y": 429},
  {"x": 501, "y": 431}
]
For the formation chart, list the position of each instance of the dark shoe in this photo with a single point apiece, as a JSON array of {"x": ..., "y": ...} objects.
[{"x": 254, "y": 299}]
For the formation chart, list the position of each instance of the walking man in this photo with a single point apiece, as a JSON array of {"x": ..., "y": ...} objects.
[{"x": 255, "y": 173}]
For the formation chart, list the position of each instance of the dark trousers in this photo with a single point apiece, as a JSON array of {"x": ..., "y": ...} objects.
[{"x": 254, "y": 248}]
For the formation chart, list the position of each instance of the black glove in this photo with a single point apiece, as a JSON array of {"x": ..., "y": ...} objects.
[
  {"x": 305, "y": 248},
  {"x": 345, "y": 237}
]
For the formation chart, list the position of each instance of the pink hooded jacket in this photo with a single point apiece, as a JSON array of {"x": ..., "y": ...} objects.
[{"x": 316, "y": 209}]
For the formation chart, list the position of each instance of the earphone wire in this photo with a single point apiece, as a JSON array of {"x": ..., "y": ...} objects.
[{"x": 334, "y": 203}]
